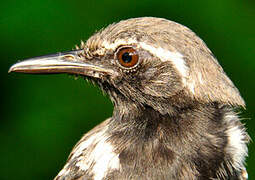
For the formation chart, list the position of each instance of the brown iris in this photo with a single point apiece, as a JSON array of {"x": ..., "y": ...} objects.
[{"x": 127, "y": 57}]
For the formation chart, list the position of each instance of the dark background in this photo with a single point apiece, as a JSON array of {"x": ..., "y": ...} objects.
[{"x": 42, "y": 117}]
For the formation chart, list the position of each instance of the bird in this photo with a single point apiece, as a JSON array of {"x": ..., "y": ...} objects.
[{"x": 176, "y": 112}]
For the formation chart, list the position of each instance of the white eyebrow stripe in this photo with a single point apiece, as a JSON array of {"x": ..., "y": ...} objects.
[
  {"x": 164, "y": 55},
  {"x": 117, "y": 43}
]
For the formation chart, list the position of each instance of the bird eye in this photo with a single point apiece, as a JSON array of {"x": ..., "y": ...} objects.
[{"x": 127, "y": 57}]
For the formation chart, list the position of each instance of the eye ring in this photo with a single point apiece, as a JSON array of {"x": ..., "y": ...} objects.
[{"x": 127, "y": 57}]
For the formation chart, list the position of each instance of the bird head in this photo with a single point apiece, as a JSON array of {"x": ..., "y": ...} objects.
[{"x": 147, "y": 61}]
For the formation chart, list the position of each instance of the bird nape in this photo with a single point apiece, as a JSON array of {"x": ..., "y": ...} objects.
[{"x": 174, "y": 107}]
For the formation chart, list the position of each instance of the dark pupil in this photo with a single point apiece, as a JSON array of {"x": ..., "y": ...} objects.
[{"x": 126, "y": 57}]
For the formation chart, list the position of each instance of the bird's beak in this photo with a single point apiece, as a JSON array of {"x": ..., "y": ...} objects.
[{"x": 68, "y": 62}]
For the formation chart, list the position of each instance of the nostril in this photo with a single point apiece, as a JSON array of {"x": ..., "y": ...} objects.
[{"x": 69, "y": 57}]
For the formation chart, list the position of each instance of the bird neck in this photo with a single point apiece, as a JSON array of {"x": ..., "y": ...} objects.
[
  {"x": 203, "y": 137},
  {"x": 147, "y": 123},
  {"x": 196, "y": 133}
]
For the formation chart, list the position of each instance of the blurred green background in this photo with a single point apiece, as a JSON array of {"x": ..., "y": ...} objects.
[{"x": 42, "y": 117}]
